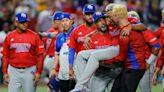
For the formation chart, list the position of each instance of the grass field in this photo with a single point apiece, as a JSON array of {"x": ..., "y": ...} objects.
[{"x": 157, "y": 88}]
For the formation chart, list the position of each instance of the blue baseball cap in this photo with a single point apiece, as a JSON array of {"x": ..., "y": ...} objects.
[
  {"x": 66, "y": 15},
  {"x": 98, "y": 15},
  {"x": 22, "y": 17},
  {"x": 89, "y": 8},
  {"x": 56, "y": 15}
]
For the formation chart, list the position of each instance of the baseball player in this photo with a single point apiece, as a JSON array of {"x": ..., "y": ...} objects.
[
  {"x": 56, "y": 26},
  {"x": 62, "y": 54},
  {"x": 22, "y": 57},
  {"x": 153, "y": 47},
  {"x": 134, "y": 60},
  {"x": 82, "y": 73},
  {"x": 102, "y": 77},
  {"x": 96, "y": 56},
  {"x": 77, "y": 37},
  {"x": 159, "y": 32},
  {"x": 49, "y": 40}
]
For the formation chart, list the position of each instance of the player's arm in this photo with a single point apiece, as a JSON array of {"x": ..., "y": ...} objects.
[
  {"x": 87, "y": 40},
  {"x": 55, "y": 65},
  {"x": 138, "y": 26},
  {"x": 5, "y": 60},
  {"x": 5, "y": 57},
  {"x": 72, "y": 46},
  {"x": 49, "y": 35},
  {"x": 152, "y": 41},
  {"x": 158, "y": 67},
  {"x": 157, "y": 33},
  {"x": 40, "y": 55},
  {"x": 56, "y": 61},
  {"x": 71, "y": 56},
  {"x": 90, "y": 34},
  {"x": 154, "y": 53}
]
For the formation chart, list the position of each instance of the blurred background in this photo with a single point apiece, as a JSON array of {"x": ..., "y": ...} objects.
[{"x": 39, "y": 10}]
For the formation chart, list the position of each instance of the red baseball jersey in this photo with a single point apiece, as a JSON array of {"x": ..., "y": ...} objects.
[
  {"x": 77, "y": 36},
  {"x": 114, "y": 31},
  {"x": 132, "y": 51},
  {"x": 23, "y": 50},
  {"x": 151, "y": 40},
  {"x": 160, "y": 60},
  {"x": 158, "y": 31},
  {"x": 103, "y": 41},
  {"x": 50, "y": 42}
]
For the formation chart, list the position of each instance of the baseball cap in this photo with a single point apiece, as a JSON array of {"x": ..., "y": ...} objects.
[
  {"x": 56, "y": 15},
  {"x": 22, "y": 17},
  {"x": 66, "y": 15},
  {"x": 98, "y": 15},
  {"x": 89, "y": 8}
]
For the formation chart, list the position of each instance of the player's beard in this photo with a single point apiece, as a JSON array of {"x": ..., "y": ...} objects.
[
  {"x": 103, "y": 28},
  {"x": 23, "y": 29},
  {"x": 65, "y": 29},
  {"x": 89, "y": 23}
]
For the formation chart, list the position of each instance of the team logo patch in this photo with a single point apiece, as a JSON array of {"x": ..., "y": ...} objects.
[
  {"x": 20, "y": 47},
  {"x": 23, "y": 15},
  {"x": 90, "y": 7},
  {"x": 41, "y": 46},
  {"x": 80, "y": 33},
  {"x": 12, "y": 39},
  {"x": 98, "y": 13},
  {"x": 62, "y": 16},
  {"x": 95, "y": 42},
  {"x": 32, "y": 72}
]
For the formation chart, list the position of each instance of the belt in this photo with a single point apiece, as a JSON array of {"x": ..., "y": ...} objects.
[
  {"x": 19, "y": 67},
  {"x": 50, "y": 56}
]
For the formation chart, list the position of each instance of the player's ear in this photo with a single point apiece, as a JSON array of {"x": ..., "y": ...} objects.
[
  {"x": 16, "y": 23},
  {"x": 72, "y": 21}
]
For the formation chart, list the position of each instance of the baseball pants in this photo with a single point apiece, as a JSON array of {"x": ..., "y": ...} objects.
[
  {"x": 48, "y": 63},
  {"x": 146, "y": 79},
  {"x": 87, "y": 63},
  {"x": 22, "y": 79},
  {"x": 103, "y": 78}
]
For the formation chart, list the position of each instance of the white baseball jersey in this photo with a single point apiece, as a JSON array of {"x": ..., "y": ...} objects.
[{"x": 64, "y": 64}]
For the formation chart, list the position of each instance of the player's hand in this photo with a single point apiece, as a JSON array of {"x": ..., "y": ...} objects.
[
  {"x": 43, "y": 33},
  {"x": 126, "y": 31},
  {"x": 154, "y": 79},
  {"x": 71, "y": 73},
  {"x": 162, "y": 73},
  {"x": 53, "y": 72},
  {"x": 6, "y": 78},
  {"x": 86, "y": 42},
  {"x": 147, "y": 66},
  {"x": 37, "y": 77}
]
